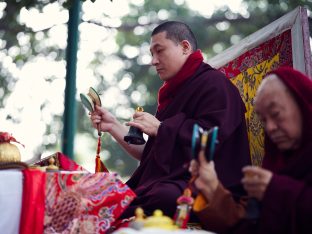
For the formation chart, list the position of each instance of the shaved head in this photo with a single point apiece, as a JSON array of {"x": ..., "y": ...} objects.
[
  {"x": 270, "y": 84},
  {"x": 279, "y": 111}
]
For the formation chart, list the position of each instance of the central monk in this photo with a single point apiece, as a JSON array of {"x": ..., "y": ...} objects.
[{"x": 192, "y": 92}]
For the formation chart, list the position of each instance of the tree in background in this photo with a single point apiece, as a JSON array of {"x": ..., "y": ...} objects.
[{"x": 136, "y": 80}]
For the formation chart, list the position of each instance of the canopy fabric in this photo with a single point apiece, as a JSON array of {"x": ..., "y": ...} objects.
[{"x": 284, "y": 42}]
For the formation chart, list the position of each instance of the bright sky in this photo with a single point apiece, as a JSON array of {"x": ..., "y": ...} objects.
[{"x": 26, "y": 101}]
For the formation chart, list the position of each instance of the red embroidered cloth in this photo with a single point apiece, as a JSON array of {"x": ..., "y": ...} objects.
[
  {"x": 279, "y": 45},
  {"x": 71, "y": 201},
  {"x": 84, "y": 202}
]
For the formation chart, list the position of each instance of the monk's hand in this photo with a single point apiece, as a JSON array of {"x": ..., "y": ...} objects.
[
  {"x": 102, "y": 119},
  {"x": 194, "y": 168},
  {"x": 148, "y": 123},
  {"x": 207, "y": 180},
  {"x": 256, "y": 181}
]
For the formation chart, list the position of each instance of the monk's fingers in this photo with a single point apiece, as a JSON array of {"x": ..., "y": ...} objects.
[
  {"x": 211, "y": 165},
  {"x": 96, "y": 120},
  {"x": 202, "y": 158},
  {"x": 250, "y": 187},
  {"x": 194, "y": 164},
  {"x": 198, "y": 184},
  {"x": 252, "y": 193},
  {"x": 250, "y": 177},
  {"x": 193, "y": 168},
  {"x": 139, "y": 119},
  {"x": 143, "y": 123},
  {"x": 259, "y": 176},
  {"x": 138, "y": 114},
  {"x": 146, "y": 127},
  {"x": 94, "y": 115},
  {"x": 194, "y": 173},
  {"x": 254, "y": 170},
  {"x": 144, "y": 116},
  {"x": 251, "y": 181},
  {"x": 98, "y": 115},
  {"x": 134, "y": 124},
  {"x": 255, "y": 191},
  {"x": 99, "y": 110}
]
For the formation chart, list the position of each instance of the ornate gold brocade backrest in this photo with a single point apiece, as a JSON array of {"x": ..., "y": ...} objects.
[
  {"x": 246, "y": 72},
  {"x": 284, "y": 42}
]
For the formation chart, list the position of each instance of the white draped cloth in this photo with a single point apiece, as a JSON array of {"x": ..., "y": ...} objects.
[{"x": 11, "y": 188}]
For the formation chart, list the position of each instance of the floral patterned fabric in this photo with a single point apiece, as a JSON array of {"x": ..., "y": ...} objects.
[
  {"x": 247, "y": 72},
  {"x": 84, "y": 202}
]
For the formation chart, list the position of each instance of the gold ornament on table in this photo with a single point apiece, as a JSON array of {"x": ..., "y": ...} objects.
[
  {"x": 157, "y": 220},
  {"x": 52, "y": 165},
  {"x": 48, "y": 163},
  {"x": 8, "y": 151},
  {"x": 138, "y": 222},
  {"x": 135, "y": 135}
]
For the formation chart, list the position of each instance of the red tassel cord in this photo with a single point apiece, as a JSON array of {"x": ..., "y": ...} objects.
[{"x": 99, "y": 165}]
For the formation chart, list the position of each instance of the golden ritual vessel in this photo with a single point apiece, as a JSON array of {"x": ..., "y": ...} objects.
[
  {"x": 8, "y": 151},
  {"x": 157, "y": 220}
]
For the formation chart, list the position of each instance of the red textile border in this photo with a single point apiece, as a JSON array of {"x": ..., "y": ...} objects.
[
  {"x": 280, "y": 44},
  {"x": 33, "y": 202}
]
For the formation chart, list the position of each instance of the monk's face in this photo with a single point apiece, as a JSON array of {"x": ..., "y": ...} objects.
[
  {"x": 168, "y": 56},
  {"x": 280, "y": 113}
]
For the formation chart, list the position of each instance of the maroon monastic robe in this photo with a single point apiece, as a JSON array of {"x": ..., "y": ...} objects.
[
  {"x": 209, "y": 99},
  {"x": 286, "y": 207},
  {"x": 287, "y": 203}
]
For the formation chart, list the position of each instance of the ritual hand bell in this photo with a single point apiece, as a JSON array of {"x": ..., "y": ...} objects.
[{"x": 135, "y": 135}]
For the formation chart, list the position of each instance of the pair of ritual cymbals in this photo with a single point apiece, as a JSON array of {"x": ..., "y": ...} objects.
[{"x": 90, "y": 99}]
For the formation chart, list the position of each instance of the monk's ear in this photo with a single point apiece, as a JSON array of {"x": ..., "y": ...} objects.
[{"x": 186, "y": 46}]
